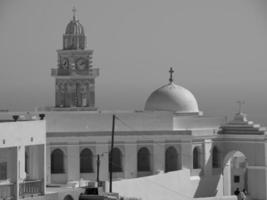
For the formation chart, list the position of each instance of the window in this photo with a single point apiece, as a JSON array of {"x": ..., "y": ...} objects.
[
  {"x": 57, "y": 161},
  {"x": 236, "y": 179},
  {"x": 171, "y": 159},
  {"x": 215, "y": 157},
  {"x": 143, "y": 160},
  {"x": 196, "y": 158},
  {"x": 3, "y": 170},
  {"x": 26, "y": 162},
  {"x": 116, "y": 160},
  {"x": 86, "y": 161}
]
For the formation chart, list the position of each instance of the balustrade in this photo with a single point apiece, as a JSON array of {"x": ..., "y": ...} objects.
[
  {"x": 27, "y": 188},
  {"x": 7, "y": 191}
]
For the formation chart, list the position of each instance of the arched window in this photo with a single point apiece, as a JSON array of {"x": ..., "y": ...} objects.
[
  {"x": 143, "y": 160},
  {"x": 68, "y": 197},
  {"x": 116, "y": 160},
  {"x": 57, "y": 161},
  {"x": 196, "y": 158},
  {"x": 86, "y": 161},
  {"x": 171, "y": 159},
  {"x": 215, "y": 157}
]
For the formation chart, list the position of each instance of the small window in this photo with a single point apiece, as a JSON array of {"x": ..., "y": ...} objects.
[
  {"x": 57, "y": 161},
  {"x": 236, "y": 179},
  {"x": 143, "y": 160},
  {"x": 3, "y": 170},
  {"x": 116, "y": 160},
  {"x": 86, "y": 161}
]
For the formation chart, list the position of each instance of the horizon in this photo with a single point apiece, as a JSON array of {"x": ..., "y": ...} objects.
[{"x": 217, "y": 49}]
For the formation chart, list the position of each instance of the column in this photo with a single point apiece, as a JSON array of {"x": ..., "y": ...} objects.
[
  {"x": 21, "y": 160},
  {"x": 73, "y": 160},
  {"x": 207, "y": 157},
  {"x": 227, "y": 179},
  {"x": 103, "y": 149},
  {"x": 48, "y": 164},
  {"x": 130, "y": 161},
  {"x": 187, "y": 155},
  {"x": 158, "y": 157}
]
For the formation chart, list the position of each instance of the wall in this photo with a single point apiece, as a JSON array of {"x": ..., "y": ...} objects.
[
  {"x": 169, "y": 186},
  {"x": 22, "y": 133},
  {"x": 101, "y": 121}
]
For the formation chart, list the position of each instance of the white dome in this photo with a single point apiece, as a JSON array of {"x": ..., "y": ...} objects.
[{"x": 174, "y": 98}]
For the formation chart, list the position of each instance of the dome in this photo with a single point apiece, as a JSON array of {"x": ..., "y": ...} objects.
[
  {"x": 172, "y": 97},
  {"x": 74, "y": 28}
]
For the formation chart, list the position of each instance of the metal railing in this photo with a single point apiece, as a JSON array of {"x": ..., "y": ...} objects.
[
  {"x": 7, "y": 191},
  {"x": 30, "y": 187}
]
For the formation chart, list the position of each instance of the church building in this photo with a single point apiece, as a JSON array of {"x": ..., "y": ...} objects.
[{"x": 213, "y": 156}]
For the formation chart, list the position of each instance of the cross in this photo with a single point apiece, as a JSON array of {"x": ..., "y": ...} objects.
[
  {"x": 240, "y": 103},
  {"x": 74, "y": 11},
  {"x": 171, "y": 72}
]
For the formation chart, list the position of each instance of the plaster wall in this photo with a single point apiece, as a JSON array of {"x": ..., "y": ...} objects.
[
  {"x": 102, "y": 121},
  {"x": 196, "y": 122},
  {"x": 22, "y": 133}
]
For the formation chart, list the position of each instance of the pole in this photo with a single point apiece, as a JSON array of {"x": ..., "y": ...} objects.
[
  {"x": 111, "y": 153},
  {"x": 97, "y": 172}
]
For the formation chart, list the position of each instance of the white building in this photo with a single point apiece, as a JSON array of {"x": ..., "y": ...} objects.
[
  {"x": 22, "y": 159},
  {"x": 170, "y": 134}
]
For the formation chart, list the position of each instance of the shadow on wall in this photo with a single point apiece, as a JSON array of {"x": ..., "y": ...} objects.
[{"x": 209, "y": 180}]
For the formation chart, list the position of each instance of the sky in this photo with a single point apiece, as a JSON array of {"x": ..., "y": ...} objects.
[{"x": 216, "y": 48}]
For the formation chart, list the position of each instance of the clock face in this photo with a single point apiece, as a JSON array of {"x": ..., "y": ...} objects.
[
  {"x": 81, "y": 64},
  {"x": 65, "y": 63}
]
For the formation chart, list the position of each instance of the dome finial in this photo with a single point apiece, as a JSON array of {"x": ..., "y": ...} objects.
[
  {"x": 171, "y": 71},
  {"x": 74, "y": 12},
  {"x": 240, "y": 103}
]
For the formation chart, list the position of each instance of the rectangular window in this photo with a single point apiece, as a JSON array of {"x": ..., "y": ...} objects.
[
  {"x": 3, "y": 170},
  {"x": 236, "y": 179}
]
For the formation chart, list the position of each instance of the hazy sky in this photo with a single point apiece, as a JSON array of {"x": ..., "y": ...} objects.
[{"x": 217, "y": 49}]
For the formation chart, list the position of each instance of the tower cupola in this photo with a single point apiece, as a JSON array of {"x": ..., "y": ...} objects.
[{"x": 74, "y": 37}]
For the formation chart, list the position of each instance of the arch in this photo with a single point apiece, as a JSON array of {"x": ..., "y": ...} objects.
[
  {"x": 86, "y": 161},
  {"x": 143, "y": 160},
  {"x": 68, "y": 197},
  {"x": 116, "y": 160},
  {"x": 57, "y": 161},
  {"x": 234, "y": 172},
  {"x": 171, "y": 159},
  {"x": 196, "y": 158},
  {"x": 215, "y": 157}
]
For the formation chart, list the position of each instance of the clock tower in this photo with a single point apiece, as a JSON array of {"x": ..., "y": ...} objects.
[{"x": 74, "y": 75}]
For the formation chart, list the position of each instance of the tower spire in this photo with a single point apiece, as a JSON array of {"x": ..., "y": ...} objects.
[
  {"x": 74, "y": 13},
  {"x": 171, "y": 71},
  {"x": 240, "y": 103}
]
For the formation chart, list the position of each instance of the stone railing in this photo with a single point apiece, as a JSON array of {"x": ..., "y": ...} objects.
[
  {"x": 28, "y": 188},
  {"x": 7, "y": 191},
  {"x": 61, "y": 72},
  {"x": 64, "y": 72}
]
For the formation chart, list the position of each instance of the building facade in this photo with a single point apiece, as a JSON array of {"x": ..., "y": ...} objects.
[
  {"x": 22, "y": 159},
  {"x": 170, "y": 134},
  {"x": 212, "y": 156}
]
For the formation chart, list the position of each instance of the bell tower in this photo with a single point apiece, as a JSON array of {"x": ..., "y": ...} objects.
[{"x": 74, "y": 75}]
